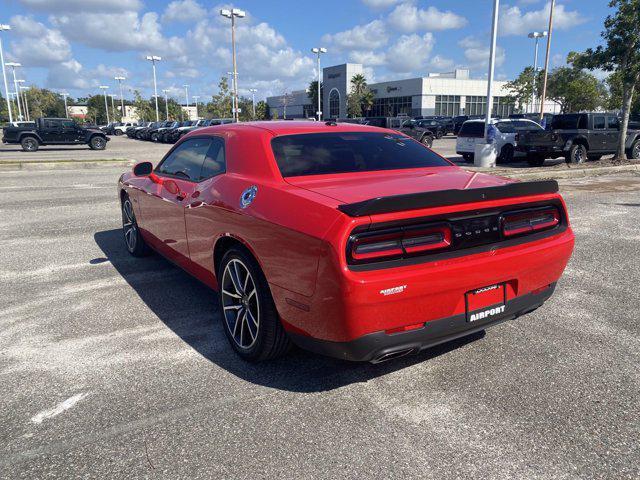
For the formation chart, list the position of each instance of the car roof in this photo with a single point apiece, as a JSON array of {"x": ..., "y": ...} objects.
[{"x": 286, "y": 127}]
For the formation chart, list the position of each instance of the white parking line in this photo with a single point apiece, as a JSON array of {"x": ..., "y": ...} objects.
[{"x": 58, "y": 409}]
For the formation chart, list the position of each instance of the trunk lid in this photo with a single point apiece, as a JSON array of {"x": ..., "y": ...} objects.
[{"x": 361, "y": 186}]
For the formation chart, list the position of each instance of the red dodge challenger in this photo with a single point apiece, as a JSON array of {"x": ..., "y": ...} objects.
[{"x": 348, "y": 240}]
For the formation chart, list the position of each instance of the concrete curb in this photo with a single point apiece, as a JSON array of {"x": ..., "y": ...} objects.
[
  {"x": 65, "y": 164},
  {"x": 560, "y": 174}
]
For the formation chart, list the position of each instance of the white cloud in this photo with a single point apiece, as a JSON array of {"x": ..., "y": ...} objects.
[
  {"x": 477, "y": 53},
  {"x": 409, "y": 54},
  {"x": 409, "y": 18},
  {"x": 82, "y": 5},
  {"x": 361, "y": 37},
  {"x": 441, "y": 64},
  {"x": 183, "y": 11},
  {"x": 367, "y": 57},
  {"x": 68, "y": 75},
  {"x": 38, "y": 46},
  {"x": 514, "y": 22},
  {"x": 379, "y": 4},
  {"x": 558, "y": 60}
]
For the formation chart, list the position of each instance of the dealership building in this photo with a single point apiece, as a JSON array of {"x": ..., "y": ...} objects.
[{"x": 453, "y": 93}]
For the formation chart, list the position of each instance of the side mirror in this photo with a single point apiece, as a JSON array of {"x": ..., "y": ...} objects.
[
  {"x": 142, "y": 169},
  {"x": 171, "y": 186}
]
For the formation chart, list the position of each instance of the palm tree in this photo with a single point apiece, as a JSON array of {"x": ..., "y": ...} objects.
[
  {"x": 367, "y": 100},
  {"x": 359, "y": 84}
]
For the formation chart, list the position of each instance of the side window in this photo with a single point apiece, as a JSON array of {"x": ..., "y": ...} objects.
[
  {"x": 186, "y": 160},
  {"x": 68, "y": 124},
  {"x": 583, "y": 122},
  {"x": 598, "y": 122},
  {"x": 215, "y": 161},
  {"x": 505, "y": 127},
  {"x": 52, "y": 124},
  {"x": 613, "y": 122}
]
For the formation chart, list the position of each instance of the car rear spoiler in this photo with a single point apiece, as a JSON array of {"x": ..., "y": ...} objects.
[{"x": 414, "y": 201}]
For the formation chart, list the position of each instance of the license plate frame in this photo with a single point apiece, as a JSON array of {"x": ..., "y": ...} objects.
[{"x": 485, "y": 302}]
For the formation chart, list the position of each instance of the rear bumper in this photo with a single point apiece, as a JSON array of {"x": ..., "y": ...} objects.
[{"x": 380, "y": 346}]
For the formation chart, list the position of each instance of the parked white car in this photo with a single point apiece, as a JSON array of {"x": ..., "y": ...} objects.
[
  {"x": 121, "y": 129},
  {"x": 472, "y": 134}
]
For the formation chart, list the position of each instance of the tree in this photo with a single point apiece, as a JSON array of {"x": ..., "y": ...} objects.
[
  {"x": 614, "y": 82},
  {"x": 262, "y": 110},
  {"x": 620, "y": 54},
  {"x": 312, "y": 93},
  {"x": 221, "y": 104},
  {"x": 360, "y": 98},
  {"x": 575, "y": 90},
  {"x": 522, "y": 88},
  {"x": 143, "y": 108}
]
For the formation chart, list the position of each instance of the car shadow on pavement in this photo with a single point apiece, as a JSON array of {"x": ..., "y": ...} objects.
[{"x": 190, "y": 309}]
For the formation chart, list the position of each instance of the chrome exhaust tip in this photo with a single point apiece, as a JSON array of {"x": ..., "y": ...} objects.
[{"x": 385, "y": 357}]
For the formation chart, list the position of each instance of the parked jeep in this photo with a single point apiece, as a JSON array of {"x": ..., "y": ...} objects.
[
  {"x": 421, "y": 130},
  {"x": 578, "y": 137},
  {"x": 54, "y": 131}
]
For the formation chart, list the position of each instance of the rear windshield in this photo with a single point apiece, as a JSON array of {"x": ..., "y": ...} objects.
[
  {"x": 472, "y": 129},
  {"x": 569, "y": 122},
  {"x": 324, "y": 153}
]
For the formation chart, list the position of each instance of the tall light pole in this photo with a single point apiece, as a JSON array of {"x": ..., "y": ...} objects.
[
  {"x": 26, "y": 103},
  {"x": 66, "y": 109},
  {"x": 537, "y": 36},
  {"x": 319, "y": 51},
  {"x": 153, "y": 59},
  {"x": 113, "y": 107},
  {"x": 233, "y": 14},
  {"x": 13, "y": 66},
  {"x": 120, "y": 80},
  {"x": 166, "y": 101},
  {"x": 546, "y": 61},
  {"x": 186, "y": 96},
  {"x": 478, "y": 160},
  {"x": 20, "y": 82},
  {"x": 253, "y": 100},
  {"x": 5, "y": 28},
  {"x": 195, "y": 102},
  {"x": 106, "y": 107}
]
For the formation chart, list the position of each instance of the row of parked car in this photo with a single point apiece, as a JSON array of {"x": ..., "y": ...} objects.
[{"x": 164, "y": 132}]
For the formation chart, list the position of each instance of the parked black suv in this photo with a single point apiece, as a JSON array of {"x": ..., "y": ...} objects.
[
  {"x": 578, "y": 137},
  {"x": 421, "y": 130},
  {"x": 54, "y": 131}
]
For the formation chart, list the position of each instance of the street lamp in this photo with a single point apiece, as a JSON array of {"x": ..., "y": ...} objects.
[
  {"x": 4, "y": 28},
  {"x": 253, "y": 100},
  {"x": 20, "y": 99},
  {"x": 153, "y": 59},
  {"x": 319, "y": 51},
  {"x": 66, "y": 109},
  {"x": 26, "y": 103},
  {"x": 195, "y": 101},
  {"x": 537, "y": 36},
  {"x": 166, "y": 101},
  {"x": 113, "y": 107},
  {"x": 120, "y": 80},
  {"x": 13, "y": 66},
  {"x": 106, "y": 107},
  {"x": 186, "y": 96},
  {"x": 233, "y": 14}
]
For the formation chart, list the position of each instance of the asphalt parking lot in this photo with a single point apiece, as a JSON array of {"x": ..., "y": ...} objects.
[{"x": 115, "y": 366}]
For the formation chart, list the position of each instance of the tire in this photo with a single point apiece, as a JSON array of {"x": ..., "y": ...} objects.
[
  {"x": 249, "y": 316},
  {"x": 117, "y": 133},
  {"x": 439, "y": 134},
  {"x": 468, "y": 157},
  {"x": 133, "y": 240},
  {"x": 427, "y": 140},
  {"x": 97, "y": 143},
  {"x": 154, "y": 137},
  {"x": 506, "y": 154},
  {"x": 535, "y": 161},
  {"x": 634, "y": 152},
  {"x": 577, "y": 154},
  {"x": 30, "y": 144}
]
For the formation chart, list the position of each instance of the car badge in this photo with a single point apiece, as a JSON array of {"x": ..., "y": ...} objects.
[{"x": 248, "y": 196}]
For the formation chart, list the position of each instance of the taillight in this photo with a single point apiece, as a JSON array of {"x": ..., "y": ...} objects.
[
  {"x": 397, "y": 243},
  {"x": 529, "y": 221}
]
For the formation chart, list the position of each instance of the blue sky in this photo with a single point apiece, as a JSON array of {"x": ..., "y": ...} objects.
[{"x": 77, "y": 45}]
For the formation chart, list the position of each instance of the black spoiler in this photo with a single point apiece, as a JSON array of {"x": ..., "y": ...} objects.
[{"x": 440, "y": 198}]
